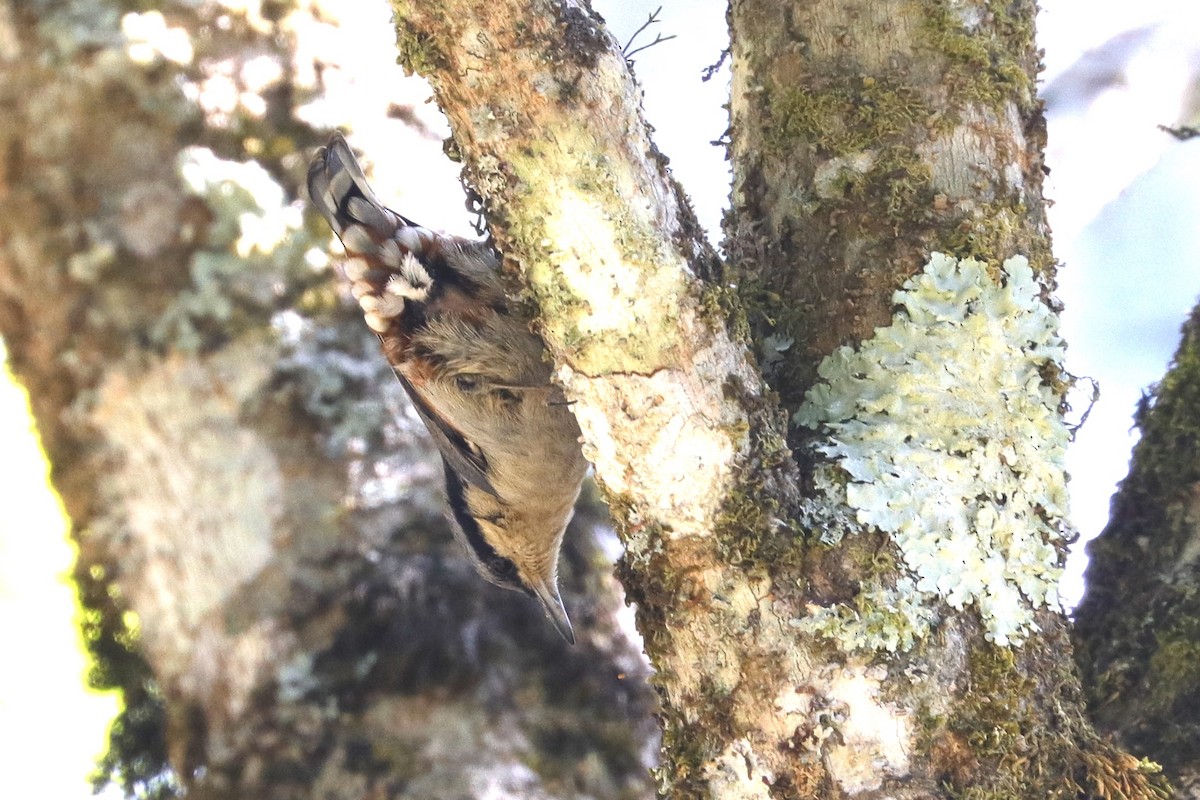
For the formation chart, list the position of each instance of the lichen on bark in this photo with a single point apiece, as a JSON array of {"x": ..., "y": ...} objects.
[
  {"x": 946, "y": 436},
  {"x": 268, "y": 575}
]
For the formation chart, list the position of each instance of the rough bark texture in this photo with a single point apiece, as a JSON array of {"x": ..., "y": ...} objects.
[
  {"x": 546, "y": 118},
  {"x": 268, "y": 575},
  {"x": 866, "y": 135},
  {"x": 1137, "y": 630},
  {"x": 229, "y": 447},
  {"x": 796, "y": 655}
]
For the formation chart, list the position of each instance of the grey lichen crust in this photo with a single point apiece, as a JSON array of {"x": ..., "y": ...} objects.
[
  {"x": 254, "y": 243},
  {"x": 943, "y": 431}
]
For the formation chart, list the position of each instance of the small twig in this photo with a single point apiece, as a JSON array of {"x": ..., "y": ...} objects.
[
  {"x": 1182, "y": 133},
  {"x": 1095, "y": 398},
  {"x": 657, "y": 40},
  {"x": 651, "y": 20}
]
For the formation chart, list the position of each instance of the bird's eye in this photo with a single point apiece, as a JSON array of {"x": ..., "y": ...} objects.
[
  {"x": 468, "y": 383},
  {"x": 504, "y": 573}
]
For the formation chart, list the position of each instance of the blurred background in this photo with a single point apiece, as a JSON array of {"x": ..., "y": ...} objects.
[{"x": 1126, "y": 200}]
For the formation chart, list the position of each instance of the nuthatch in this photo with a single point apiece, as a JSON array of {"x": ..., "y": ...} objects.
[{"x": 477, "y": 375}]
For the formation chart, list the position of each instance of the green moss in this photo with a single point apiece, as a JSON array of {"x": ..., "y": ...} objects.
[
  {"x": 994, "y": 720},
  {"x": 416, "y": 50},
  {"x": 998, "y": 742},
  {"x": 136, "y": 758},
  {"x": 1174, "y": 668},
  {"x": 722, "y": 306},
  {"x": 1015, "y": 22},
  {"x": 753, "y": 528},
  {"x": 899, "y": 186},
  {"x": 745, "y": 521},
  {"x": 1137, "y": 636},
  {"x": 979, "y": 67},
  {"x": 655, "y": 583},
  {"x": 996, "y": 228},
  {"x": 1170, "y": 423},
  {"x": 688, "y": 745},
  {"x": 744, "y": 526},
  {"x": 649, "y": 578},
  {"x": 690, "y": 736},
  {"x": 893, "y": 183},
  {"x": 841, "y": 119},
  {"x": 873, "y": 198},
  {"x": 415, "y": 53},
  {"x": 994, "y": 714}
]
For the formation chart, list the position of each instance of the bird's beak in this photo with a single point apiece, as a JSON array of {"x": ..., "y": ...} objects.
[{"x": 553, "y": 604}]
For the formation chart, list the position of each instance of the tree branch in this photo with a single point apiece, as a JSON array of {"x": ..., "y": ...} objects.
[
  {"x": 547, "y": 117},
  {"x": 839, "y": 648}
]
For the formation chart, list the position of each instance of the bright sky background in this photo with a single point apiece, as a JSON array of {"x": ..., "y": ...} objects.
[
  {"x": 1127, "y": 198},
  {"x": 50, "y": 729}
]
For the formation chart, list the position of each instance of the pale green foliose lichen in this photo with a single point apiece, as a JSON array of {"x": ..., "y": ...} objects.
[
  {"x": 883, "y": 618},
  {"x": 946, "y": 436}
]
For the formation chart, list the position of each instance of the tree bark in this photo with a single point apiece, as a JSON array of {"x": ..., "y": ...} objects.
[
  {"x": 845, "y": 580},
  {"x": 268, "y": 575},
  {"x": 865, "y": 137},
  {"x": 876, "y": 617},
  {"x": 1136, "y": 634}
]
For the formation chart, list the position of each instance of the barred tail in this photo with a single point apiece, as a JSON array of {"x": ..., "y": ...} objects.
[{"x": 383, "y": 264}]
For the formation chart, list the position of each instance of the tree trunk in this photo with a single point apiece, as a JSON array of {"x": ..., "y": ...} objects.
[
  {"x": 268, "y": 575},
  {"x": 1137, "y": 629},
  {"x": 834, "y": 456},
  {"x": 866, "y": 609}
]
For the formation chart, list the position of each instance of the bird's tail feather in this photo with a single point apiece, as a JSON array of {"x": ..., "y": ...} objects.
[{"x": 340, "y": 191}]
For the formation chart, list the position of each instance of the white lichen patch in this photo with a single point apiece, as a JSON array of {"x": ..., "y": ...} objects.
[
  {"x": 946, "y": 436},
  {"x": 677, "y": 434},
  {"x": 198, "y": 495},
  {"x": 254, "y": 245},
  {"x": 602, "y": 225},
  {"x": 253, "y": 214},
  {"x": 738, "y": 774},
  {"x": 591, "y": 259},
  {"x": 149, "y": 39},
  {"x": 874, "y": 736}
]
